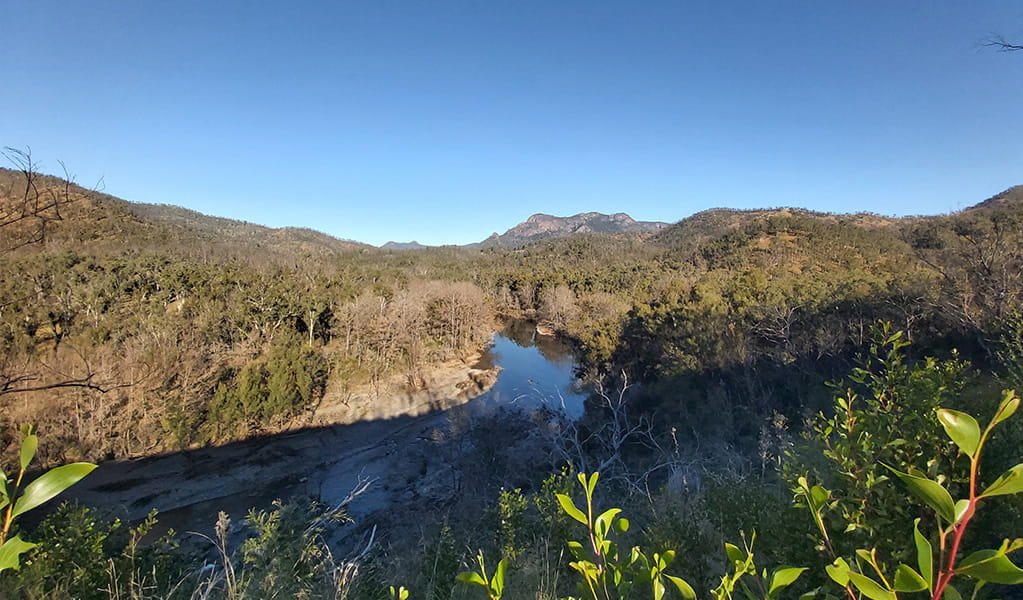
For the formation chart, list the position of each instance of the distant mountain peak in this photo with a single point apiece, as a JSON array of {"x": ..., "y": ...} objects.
[
  {"x": 413, "y": 245},
  {"x": 542, "y": 226}
]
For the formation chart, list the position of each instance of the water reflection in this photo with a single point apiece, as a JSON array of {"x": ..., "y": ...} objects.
[{"x": 537, "y": 371}]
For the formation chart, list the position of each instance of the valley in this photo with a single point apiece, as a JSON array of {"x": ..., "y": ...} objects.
[{"x": 211, "y": 366}]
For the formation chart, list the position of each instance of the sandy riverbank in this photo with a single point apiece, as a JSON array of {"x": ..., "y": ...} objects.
[{"x": 348, "y": 430}]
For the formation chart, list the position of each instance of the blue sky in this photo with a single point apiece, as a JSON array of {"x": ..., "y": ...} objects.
[{"x": 443, "y": 121}]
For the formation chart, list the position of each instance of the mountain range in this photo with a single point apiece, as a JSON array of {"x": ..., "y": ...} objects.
[{"x": 99, "y": 218}]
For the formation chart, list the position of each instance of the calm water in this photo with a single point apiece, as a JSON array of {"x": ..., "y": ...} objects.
[{"x": 536, "y": 371}]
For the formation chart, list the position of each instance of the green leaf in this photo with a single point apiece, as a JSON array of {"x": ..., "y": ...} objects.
[
  {"x": 603, "y": 522},
  {"x": 951, "y": 593},
  {"x": 658, "y": 589},
  {"x": 783, "y": 577},
  {"x": 1008, "y": 406},
  {"x": 992, "y": 566},
  {"x": 11, "y": 550},
  {"x": 1011, "y": 482},
  {"x": 622, "y": 525},
  {"x": 471, "y": 578},
  {"x": 931, "y": 492},
  {"x": 49, "y": 484},
  {"x": 684, "y": 589},
  {"x": 962, "y": 428},
  {"x": 819, "y": 496},
  {"x": 497, "y": 582},
  {"x": 28, "y": 450},
  {"x": 870, "y": 588},
  {"x": 961, "y": 506},
  {"x": 569, "y": 507},
  {"x": 838, "y": 571},
  {"x": 908, "y": 580},
  {"x": 924, "y": 555},
  {"x": 734, "y": 554}
]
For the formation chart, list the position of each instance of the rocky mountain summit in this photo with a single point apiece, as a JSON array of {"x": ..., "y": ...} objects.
[
  {"x": 413, "y": 245},
  {"x": 542, "y": 226}
]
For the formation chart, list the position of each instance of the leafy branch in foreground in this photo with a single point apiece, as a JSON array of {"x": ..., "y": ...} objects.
[
  {"x": 766, "y": 587},
  {"x": 934, "y": 573},
  {"x": 16, "y": 500}
]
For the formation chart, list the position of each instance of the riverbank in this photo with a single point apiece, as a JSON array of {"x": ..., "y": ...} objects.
[
  {"x": 353, "y": 424},
  {"x": 449, "y": 448},
  {"x": 439, "y": 387}
]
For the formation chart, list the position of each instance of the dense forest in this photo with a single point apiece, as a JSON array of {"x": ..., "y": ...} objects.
[{"x": 731, "y": 355}]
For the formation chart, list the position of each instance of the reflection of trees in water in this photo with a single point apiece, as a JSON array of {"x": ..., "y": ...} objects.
[{"x": 554, "y": 350}]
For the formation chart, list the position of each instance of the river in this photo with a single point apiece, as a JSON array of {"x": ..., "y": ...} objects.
[{"x": 408, "y": 460}]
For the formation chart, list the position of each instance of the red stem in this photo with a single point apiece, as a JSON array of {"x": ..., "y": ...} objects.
[{"x": 945, "y": 575}]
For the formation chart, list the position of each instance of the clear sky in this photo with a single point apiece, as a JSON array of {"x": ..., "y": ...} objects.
[{"x": 443, "y": 121}]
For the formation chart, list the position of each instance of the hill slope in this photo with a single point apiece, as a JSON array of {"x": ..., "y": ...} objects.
[{"x": 96, "y": 219}]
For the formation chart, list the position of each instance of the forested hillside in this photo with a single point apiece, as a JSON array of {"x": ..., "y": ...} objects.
[{"x": 130, "y": 330}]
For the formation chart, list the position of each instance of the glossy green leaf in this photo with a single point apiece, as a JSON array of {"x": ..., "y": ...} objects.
[
  {"x": 1011, "y": 482},
  {"x": 658, "y": 588},
  {"x": 49, "y": 484},
  {"x": 1008, "y": 406},
  {"x": 11, "y": 550},
  {"x": 962, "y": 428},
  {"x": 838, "y": 571},
  {"x": 569, "y": 507},
  {"x": 783, "y": 577},
  {"x": 497, "y": 582},
  {"x": 961, "y": 506},
  {"x": 992, "y": 566},
  {"x": 870, "y": 588},
  {"x": 665, "y": 559},
  {"x": 603, "y": 522},
  {"x": 684, "y": 589},
  {"x": 908, "y": 580},
  {"x": 471, "y": 578},
  {"x": 820, "y": 496},
  {"x": 734, "y": 554},
  {"x": 28, "y": 450},
  {"x": 930, "y": 492},
  {"x": 924, "y": 555}
]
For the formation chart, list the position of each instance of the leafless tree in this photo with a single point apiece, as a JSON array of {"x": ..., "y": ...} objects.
[
  {"x": 604, "y": 448},
  {"x": 27, "y": 212},
  {"x": 29, "y": 206}
]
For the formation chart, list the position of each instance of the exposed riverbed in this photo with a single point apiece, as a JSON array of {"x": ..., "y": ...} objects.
[{"x": 419, "y": 461}]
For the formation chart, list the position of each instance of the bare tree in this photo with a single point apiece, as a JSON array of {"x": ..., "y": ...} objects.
[{"x": 29, "y": 205}]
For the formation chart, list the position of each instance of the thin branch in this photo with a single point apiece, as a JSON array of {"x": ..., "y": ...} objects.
[{"x": 999, "y": 44}]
